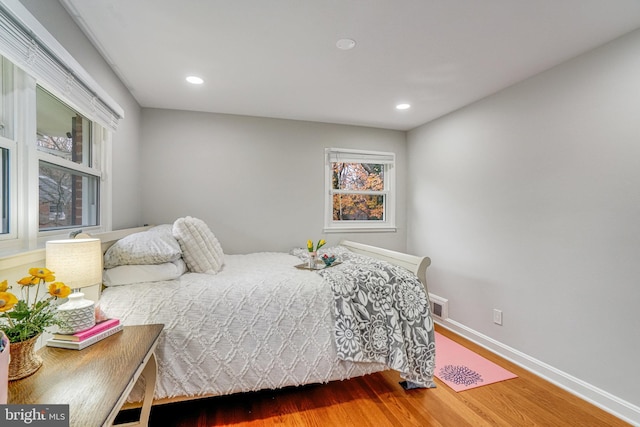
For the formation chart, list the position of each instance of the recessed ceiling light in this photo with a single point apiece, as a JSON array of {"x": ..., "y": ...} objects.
[
  {"x": 195, "y": 80},
  {"x": 346, "y": 44},
  {"x": 403, "y": 106}
]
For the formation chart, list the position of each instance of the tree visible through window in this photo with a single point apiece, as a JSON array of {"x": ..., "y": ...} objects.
[
  {"x": 359, "y": 185},
  {"x": 360, "y": 189}
]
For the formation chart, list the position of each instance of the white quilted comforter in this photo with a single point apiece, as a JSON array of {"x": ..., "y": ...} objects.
[{"x": 257, "y": 324}]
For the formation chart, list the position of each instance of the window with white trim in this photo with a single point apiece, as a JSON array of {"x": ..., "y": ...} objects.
[
  {"x": 360, "y": 190},
  {"x": 50, "y": 163},
  {"x": 55, "y": 134},
  {"x": 69, "y": 183},
  {"x": 7, "y": 150},
  {"x": 5, "y": 204}
]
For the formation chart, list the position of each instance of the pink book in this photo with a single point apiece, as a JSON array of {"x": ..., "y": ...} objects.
[{"x": 88, "y": 333}]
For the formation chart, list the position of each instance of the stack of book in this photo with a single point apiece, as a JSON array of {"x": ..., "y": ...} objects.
[{"x": 85, "y": 338}]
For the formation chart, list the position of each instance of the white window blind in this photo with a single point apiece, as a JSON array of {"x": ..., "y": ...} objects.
[
  {"x": 26, "y": 43},
  {"x": 355, "y": 156}
]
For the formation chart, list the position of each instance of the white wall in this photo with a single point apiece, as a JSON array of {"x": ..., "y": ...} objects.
[
  {"x": 257, "y": 182},
  {"x": 529, "y": 202},
  {"x": 126, "y": 141}
]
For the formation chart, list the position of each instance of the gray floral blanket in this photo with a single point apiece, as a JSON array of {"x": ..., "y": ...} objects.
[{"x": 382, "y": 315}]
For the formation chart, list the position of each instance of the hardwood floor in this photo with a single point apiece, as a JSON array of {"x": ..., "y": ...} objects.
[{"x": 378, "y": 400}]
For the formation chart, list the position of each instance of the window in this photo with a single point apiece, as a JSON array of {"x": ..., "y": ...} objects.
[
  {"x": 6, "y": 94},
  {"x": 66, "y": 198},
  {"x": 52, "y": 161},
  {"x": 55, "y": 135},
  {"x": 360, "y": 190},
  {"x": 7, "y": 147},
  {"x": 4, "y": 190},
  {"x": 68, "y": 182}
]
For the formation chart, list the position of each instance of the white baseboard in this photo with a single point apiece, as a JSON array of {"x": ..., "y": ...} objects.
[{"x": 598, "y": 397}]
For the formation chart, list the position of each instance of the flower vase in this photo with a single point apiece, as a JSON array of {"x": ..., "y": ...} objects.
[
  {"x": 77, "y": 314},
  {"x": 313, "y": 259},
  {"x": 24, "y": 360}
]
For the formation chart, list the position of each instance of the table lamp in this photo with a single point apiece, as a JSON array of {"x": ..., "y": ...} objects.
[{"x": 78, "y": 264}]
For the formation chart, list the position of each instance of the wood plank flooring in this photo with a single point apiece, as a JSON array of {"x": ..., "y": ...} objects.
[{"x": 378, "y": 400}]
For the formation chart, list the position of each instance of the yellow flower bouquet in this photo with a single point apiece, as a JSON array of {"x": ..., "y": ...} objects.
[
  {"x": 311, "y": 248},
  {"x": 26, "y": 318},
  {"x": 313, "y": 252}
]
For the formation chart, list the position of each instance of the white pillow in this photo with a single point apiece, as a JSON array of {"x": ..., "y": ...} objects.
[
  {"x": 154, "y": 246},
  {"x": 128, "y": 274},
  {"x": 200, "y": 248}
]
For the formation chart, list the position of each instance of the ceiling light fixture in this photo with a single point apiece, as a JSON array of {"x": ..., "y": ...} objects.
[
  {"x": 195, "y": 80},
  {"x": 346, "y": 44},
  {"x": 403, "y": 106}
]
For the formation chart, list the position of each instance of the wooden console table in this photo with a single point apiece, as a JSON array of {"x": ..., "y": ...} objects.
[{"x": 96, "y": 381}]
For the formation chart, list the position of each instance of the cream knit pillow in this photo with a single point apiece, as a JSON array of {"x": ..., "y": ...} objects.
[{"x": 201, "y": 250}]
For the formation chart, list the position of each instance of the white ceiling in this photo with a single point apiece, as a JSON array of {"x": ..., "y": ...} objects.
[{"x": 279, "y": 58}]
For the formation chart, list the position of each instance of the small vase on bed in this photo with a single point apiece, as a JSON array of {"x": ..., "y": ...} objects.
[
  {"x": 313, "y": 252},
  {"x": 313, "y": 259}
]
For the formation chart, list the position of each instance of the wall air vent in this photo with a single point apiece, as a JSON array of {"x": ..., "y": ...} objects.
[{"x": 439, "y": 307}]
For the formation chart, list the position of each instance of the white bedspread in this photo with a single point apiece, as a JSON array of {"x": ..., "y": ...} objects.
[{"x": 258, "y": 324}]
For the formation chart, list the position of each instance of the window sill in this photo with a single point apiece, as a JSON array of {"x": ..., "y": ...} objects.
[{"x": 385, "y": 229}]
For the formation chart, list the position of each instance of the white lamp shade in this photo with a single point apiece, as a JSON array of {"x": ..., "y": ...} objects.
[{"x": 75, "y": 262}]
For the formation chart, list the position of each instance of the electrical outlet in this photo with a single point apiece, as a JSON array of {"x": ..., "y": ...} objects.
[{"x": 497, "y": 316}]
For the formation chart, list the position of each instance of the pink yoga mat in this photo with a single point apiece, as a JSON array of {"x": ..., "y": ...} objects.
[{"x": 462, "y": 369}]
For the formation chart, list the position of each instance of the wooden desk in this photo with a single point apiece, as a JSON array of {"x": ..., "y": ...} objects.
[{"x": 95, "y": 381}]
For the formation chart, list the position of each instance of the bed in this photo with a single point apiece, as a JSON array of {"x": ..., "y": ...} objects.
[{"x": 239, "y": 323}]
